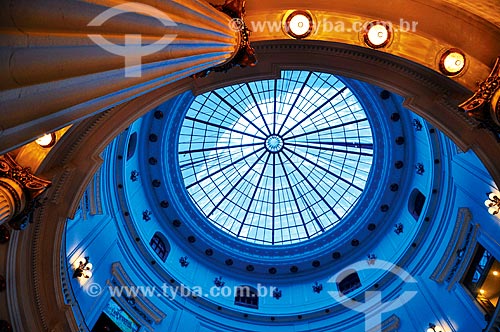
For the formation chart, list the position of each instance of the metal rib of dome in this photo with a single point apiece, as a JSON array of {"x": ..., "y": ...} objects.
[{"x": 276, "y": 162}]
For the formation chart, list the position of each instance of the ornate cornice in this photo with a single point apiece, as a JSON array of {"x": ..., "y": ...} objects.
[
  {"x": 88, "y": 126},
  {"x": 484, "y": 105}
]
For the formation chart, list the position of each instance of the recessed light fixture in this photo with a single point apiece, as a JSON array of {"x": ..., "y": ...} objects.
[
  {"x": 47, "y": 141},
  {"x": 452, "y": 62},
  {"x": 299, "y": 24},
  {"x": 377, "y": 34}
]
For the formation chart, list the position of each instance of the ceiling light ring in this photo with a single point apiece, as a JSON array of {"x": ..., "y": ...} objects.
[
  {"x": 288, "y": 26},
  {"x": 447, "y": 55},
  {"x": 368, "y": 33},
  {"x": 47, "y": 141}
]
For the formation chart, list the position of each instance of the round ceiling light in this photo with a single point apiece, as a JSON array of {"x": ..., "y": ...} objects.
[
  {"x": 47, "y": 140},
  {"x": 377, "y": 34},
  {"x": 452, "y": 62},
  {"x": 299, "y": 24}
]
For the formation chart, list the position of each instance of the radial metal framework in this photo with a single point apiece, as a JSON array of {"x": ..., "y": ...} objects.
[{"x": 276, "y": 162}]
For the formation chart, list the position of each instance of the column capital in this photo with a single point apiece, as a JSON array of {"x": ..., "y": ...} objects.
[
  {"x": 484, "y": 105},
  {"x": 31, "y": 184},
  {"x": 245, "y": 55},
  {"x": 22, "y": 191}
]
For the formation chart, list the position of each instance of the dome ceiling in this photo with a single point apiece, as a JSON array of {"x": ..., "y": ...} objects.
[
  {"x": 344, "y": 148},
  {"x": 334, "y": 152},
  {"x": 276, "y": 162}
]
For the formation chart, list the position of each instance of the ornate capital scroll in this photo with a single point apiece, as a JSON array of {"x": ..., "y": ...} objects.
[
  {"x": 484, "y": 105},
  {"x": 27, "y": 198}
]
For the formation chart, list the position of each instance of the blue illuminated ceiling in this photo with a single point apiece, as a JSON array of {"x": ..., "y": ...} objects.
[{"x": 276, "y": 162}]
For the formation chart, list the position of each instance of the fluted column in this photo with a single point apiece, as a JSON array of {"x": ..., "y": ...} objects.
[
  {"x": 52, "y": 73},
  {"x": 12, "y": 200}
]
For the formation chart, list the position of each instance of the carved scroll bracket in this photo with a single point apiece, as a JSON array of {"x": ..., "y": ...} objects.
[
  {"x": 31, "y": 188},
  {"x": 484, "y": 105}
]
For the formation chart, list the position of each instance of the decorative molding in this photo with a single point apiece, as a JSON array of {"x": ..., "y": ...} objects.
[
  {"x": 60, "y": 181},
  {"x": 420, "y": 170},
  {"x": 398, "y": 228},
  {"x": 79, "y": 134},
  {"x": 33, "y": 185},
  {"x": 218, "y": 282},
  {"x": 464, "y": 256},
  {"x": 143, "y": 310},
  {"x": 317, "y": 287},
  {"x": 37, "y": 269},
  {"x": 460, "y": 254},
  {"x": 184, "y": 261},
  {"x": 91, "y": 201},
  {"x": 352, "y": 52},
  {"x": 134, "y": 175},
  {"x": 484, "y": 105},
  {"x": 277, "y": 293},
  {"x": 391, "y": 324},
  {"x": 146, "y": 215},
  {"x": 372, "y": 258},
  {"x": 459, "y": 150},
  {"x": 456, "y": 245}
]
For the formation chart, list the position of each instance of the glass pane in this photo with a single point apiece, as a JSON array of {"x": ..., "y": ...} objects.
[{"x": 276, "y": 162}]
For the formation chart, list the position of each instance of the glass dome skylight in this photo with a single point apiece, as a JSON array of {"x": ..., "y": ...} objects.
[{"x": 276, "y": 162}]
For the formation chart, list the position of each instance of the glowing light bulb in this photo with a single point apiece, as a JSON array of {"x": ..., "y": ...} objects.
[
  {"x": 377, "y": 34},
  {"x": 299, "y": 24},
  {"x": 452, "y": 62},
  {"x": 47, "y": 140}
]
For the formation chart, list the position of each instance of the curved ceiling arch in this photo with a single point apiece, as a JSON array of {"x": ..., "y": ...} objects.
[{"x": 428, "y": 94}]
